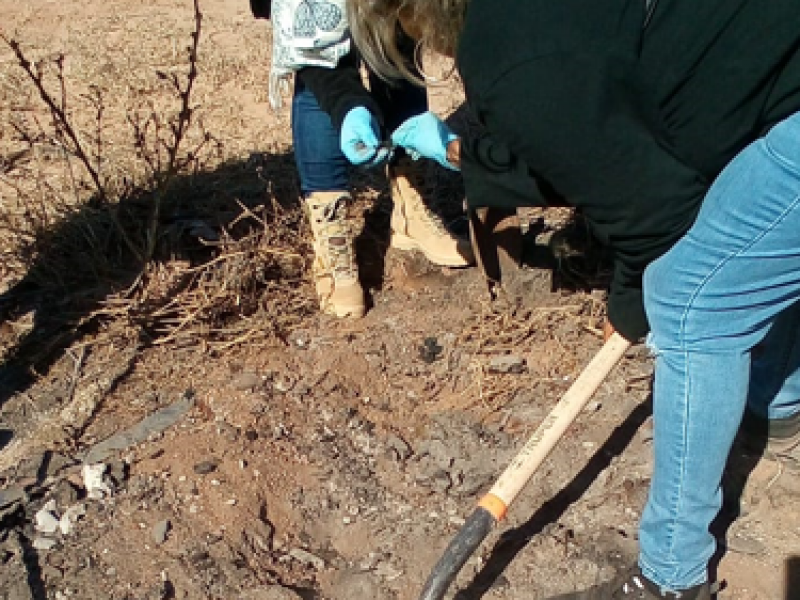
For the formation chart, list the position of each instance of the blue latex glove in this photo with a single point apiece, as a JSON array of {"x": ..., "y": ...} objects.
[
  {"x": 425, "y": 135},
  {"x": 359, "y": 138}
]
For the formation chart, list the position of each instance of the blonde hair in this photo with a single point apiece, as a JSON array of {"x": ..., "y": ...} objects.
[{"x": 376, "y": 29}]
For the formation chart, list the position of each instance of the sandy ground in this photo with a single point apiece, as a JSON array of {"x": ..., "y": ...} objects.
[{"x": 307, "y": 457}]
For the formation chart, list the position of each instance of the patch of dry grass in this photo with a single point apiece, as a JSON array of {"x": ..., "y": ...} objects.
[{"x": 121, "y": 208}]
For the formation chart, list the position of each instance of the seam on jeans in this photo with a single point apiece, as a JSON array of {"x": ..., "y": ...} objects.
[
  {"x": 725, "y": 260},
  {"x": 682, "y": 475},
  {"x": 779, "y": 158}
]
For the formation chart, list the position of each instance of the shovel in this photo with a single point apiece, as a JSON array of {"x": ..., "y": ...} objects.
[{"x": 493, "y": 507}]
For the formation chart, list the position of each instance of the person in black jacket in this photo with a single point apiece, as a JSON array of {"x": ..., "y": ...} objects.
[
  {"x": 336, "y": 122},
  {"x": 630, "y": 110}
]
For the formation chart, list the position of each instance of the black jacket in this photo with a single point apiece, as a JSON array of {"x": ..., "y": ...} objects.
[
  {"x": 631, "y": 124},
  {"x": 339, "y": 89}
]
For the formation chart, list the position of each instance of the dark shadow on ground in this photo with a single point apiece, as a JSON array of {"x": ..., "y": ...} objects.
[
  {"x": 792, "y": 587},
  {"x": 33, "y": 565},
  {"x": 84, "y": 258},
  {"x": 514, "y": 540},
  {"x": 749, "y": 448},
  {"x": 305, "y": 593},
  {"x": 576, "y": 260},
  {"x": 6, "y": 435},
  {"x": 744, "y": 457}
]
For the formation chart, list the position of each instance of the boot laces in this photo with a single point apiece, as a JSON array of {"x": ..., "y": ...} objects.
[
  {"x": 432, "y": 220},
  {"x": 417, "y": 182},
  {"x": 336, "y": 235}
]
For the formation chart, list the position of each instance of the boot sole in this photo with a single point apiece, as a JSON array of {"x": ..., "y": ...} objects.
[
  {"x": 403, "y": 242},
  {"x": 345, "y": 312}
]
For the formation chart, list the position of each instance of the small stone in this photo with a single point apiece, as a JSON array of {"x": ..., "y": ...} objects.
[
  {"x": 70, "y": 517},
  {"x": 387, "y": 571},
  {"x": 11, "y": 496},
  {"x": 94, "y": 481},
  {"x": 307, "y": 558},
  {"x": 64, "y": 493},
  {"x": 50, "y": 574},
  {"x": 745, "y": 544},
  {"x": 228, "y": 431},
  {"x": 44, "y": 543},
  {"x": 430, "y": 350},
  {"x": 507, "y": 364},
  {"x": 205, "y": 467},
  {"x": 399, "y": 447},
  {"x": 160, "y": 531},
  {"x": 46, "y": 522},
  {"x": 300, "y": 338},
  {"x": 150, "y": 426}
]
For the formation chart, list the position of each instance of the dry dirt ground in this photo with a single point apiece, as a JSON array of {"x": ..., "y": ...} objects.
[{"x": 251, "y": 447}]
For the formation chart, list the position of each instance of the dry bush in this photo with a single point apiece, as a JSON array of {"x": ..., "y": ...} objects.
[{"x": 132, "y": 232}]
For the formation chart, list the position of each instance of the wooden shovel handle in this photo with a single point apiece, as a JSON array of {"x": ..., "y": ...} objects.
[
  {"x": 494, "y": 505},
  {"x": 553, "y": 427}
]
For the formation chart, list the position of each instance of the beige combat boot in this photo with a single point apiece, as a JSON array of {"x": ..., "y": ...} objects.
[
  {"x": 415, "y": 227},
  {"x": 335, "y": 270}
]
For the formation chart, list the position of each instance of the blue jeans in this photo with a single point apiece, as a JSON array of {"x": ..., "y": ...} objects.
[
  {"x": 727, "y": 288},
  {"x": 320, "y": 163}
]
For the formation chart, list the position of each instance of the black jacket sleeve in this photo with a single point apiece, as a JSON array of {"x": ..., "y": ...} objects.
[
  {"x": 339, "y": 89},
  {"x": 261, "y": 8},
  {"x": 494, "y": 177},
  {"x": 592, "y": 137}
]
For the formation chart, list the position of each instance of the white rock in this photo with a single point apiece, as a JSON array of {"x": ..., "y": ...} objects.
[
  {"x": 94, "y": 481},
  {"x": 46, "y": 522},
  {"x": 44, "y": 543},
  {"x": 70, "y": 517}
]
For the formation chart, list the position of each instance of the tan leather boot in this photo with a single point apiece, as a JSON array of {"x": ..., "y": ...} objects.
[
  {"x": 415, "y": 227},
  {"x": 334, "y": 269}
]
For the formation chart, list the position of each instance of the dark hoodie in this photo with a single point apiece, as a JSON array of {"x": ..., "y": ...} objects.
[{"x": 629, "y": 123}]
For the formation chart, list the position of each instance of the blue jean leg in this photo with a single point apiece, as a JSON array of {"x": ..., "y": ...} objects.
[
  {"x": 320, "y": 163},
  {"x": 775, "y": 372},
  {"x": 710, "y": 300}
]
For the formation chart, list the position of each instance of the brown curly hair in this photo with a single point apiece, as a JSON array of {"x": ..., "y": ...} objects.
[{"x": 376, "y": 27}]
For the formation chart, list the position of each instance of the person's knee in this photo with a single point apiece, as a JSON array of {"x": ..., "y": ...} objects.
[{"x": 663, "y": 304}]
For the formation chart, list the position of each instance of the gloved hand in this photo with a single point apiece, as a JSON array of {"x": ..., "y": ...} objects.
[
  {"x": 359, "y": 138},
  {"x": 425, "y": 135}
]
